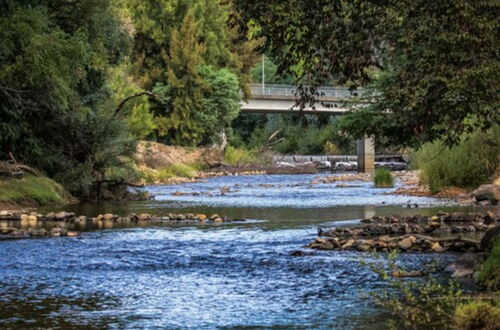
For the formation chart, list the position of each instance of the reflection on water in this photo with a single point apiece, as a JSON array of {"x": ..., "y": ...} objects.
[{"x": 200, "y": 276}]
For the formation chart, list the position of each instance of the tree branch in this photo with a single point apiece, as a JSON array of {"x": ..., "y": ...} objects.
[{"x": 122, "y": 103}]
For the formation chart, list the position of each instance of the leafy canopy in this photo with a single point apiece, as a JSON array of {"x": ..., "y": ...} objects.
[{"x": 433, "y": 64}]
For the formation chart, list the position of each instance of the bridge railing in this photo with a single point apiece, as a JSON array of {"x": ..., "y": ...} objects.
[{"x": 288, "y": 90}]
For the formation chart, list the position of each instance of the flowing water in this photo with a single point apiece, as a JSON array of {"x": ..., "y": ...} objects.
[{"x": 233, "y": 275}]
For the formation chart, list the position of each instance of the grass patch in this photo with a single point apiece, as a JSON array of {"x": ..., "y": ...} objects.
[
  {"x": 171, "y": 172},
  {"x": 489, "y": 273},
  {"x": 471, "y": 163},
  {"x": 42, "y": 190},
  {"x": 383, "y": 178},
  {"x": 241, "y": 156}
]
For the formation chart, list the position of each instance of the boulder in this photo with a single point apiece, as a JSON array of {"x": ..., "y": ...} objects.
[
  {"x": 144, "y": 217},
  {"x": 436, "y": 247},
  {"x": 406, "y": 243},
  {"x": 201, "y": 217},
  {"x": 349, "y": 244},
  {"x": 487, "y": 192},
  {"x": 214, "y": 216}
]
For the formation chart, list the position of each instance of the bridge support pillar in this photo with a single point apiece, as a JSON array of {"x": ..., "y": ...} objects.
[{"x": 366, "y": 155}]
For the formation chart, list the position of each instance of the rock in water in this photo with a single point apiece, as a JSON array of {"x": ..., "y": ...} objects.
[{"x": 487, "y": 192}]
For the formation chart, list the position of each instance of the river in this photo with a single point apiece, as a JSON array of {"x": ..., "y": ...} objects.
[{"x": 233, "y": 275}]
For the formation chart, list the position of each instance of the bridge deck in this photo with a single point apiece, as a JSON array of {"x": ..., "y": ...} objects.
[{"x": 283, "y": 99}]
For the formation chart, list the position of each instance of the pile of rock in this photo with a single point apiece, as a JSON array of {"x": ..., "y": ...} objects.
[
  {"x": 70, "y": 217},
  {"x": 413, "y": 233},
  {"x": 405, "y": 243}
]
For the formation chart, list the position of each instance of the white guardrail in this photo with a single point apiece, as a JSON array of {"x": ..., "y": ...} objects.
[{"x": 288, "y": 90}]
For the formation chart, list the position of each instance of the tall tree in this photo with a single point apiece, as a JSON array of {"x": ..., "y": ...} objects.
[
  {"x": 434, "y": 64},
  {"x": 186, "y": 86}
]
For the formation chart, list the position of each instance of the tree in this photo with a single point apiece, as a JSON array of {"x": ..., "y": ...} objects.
[
  {"x": 55, "y": 59},
  {"x": 434, "y": 65},
  {"x": 221, "y": 103},
  {"x": 185, "y": 85}
]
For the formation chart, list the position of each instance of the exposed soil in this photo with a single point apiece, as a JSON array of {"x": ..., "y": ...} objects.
[{"x": 155, "y": 155}]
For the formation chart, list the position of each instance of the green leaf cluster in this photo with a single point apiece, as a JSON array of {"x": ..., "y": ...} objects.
[{"x": 433, "y": 65}]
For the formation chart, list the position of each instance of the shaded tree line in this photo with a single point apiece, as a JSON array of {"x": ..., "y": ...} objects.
[{"x": 68, "y": 70}]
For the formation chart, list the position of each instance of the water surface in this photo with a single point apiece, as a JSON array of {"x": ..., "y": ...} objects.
[{"x": 237, "y": 275}]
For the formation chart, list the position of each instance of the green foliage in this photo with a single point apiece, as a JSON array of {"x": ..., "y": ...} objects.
[
  {"x": 172, "y": 172},
  {"x": 221, "y": 102},
  {"x": 415, "y": 304},
  {"x": 207, "y": 66},
  {"x": 241, "y": 156},
  {"x": 104, "y": 144},
  {"x": 473, "y": 162},
  {"x": 153, "y": 23},
  {"x": 186, "y": 86},
  {"x": 55, "y": 111},
  {"x": 31, "y": 188},
  {"x": 271, "y": 74},
  {"x": 425, "y": 88},
  {"x": 383, "y": 178},
  {"x": 140, "y": 120},
  {"x": 477, "y": 315},
  {"x": 489, "y": 273},
  {"x": 307, "y": 135}
]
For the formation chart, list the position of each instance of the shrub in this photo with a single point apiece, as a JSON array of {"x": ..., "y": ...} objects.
[
  {"x": 422, "y": 303},
  {"x": 240, "y": 156},
  {"x": 383, "y": 178},
  {"x": 477, "y": 315},
  {"x": 172, "y": 171},
  {"x": 489, "y": 273},
  {"x": 473, "y": 162}
]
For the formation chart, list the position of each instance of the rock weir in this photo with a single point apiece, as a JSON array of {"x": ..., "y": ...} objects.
[
  {"x": 440, "y": 233},
  {"x": 33, "y": 224}
]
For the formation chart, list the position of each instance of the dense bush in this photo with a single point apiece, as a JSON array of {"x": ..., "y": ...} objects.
[
  {"x": 473, "y": 162},
  {"x": 383, "y": 178},
  {"x": 297, "y": 135},
  {"x": 241, "y": 156},
  {"x": 477, "y": 315},
  {"x": 489, "y": 273},
  {"x": 415, "y": 304}
]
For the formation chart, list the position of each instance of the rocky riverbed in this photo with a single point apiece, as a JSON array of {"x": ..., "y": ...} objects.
[{"x": 440, "y": 233}]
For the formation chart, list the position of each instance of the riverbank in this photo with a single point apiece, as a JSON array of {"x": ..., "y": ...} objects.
[{"x": 30, "y": 192}]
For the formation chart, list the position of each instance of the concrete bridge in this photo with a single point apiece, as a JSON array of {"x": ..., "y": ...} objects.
[
  {"x": 282, "y": 99},
  {"x": 273, "y": 99}
]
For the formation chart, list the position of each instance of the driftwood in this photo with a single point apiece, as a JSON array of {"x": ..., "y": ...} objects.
[{"x": 12, "y": 168}]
